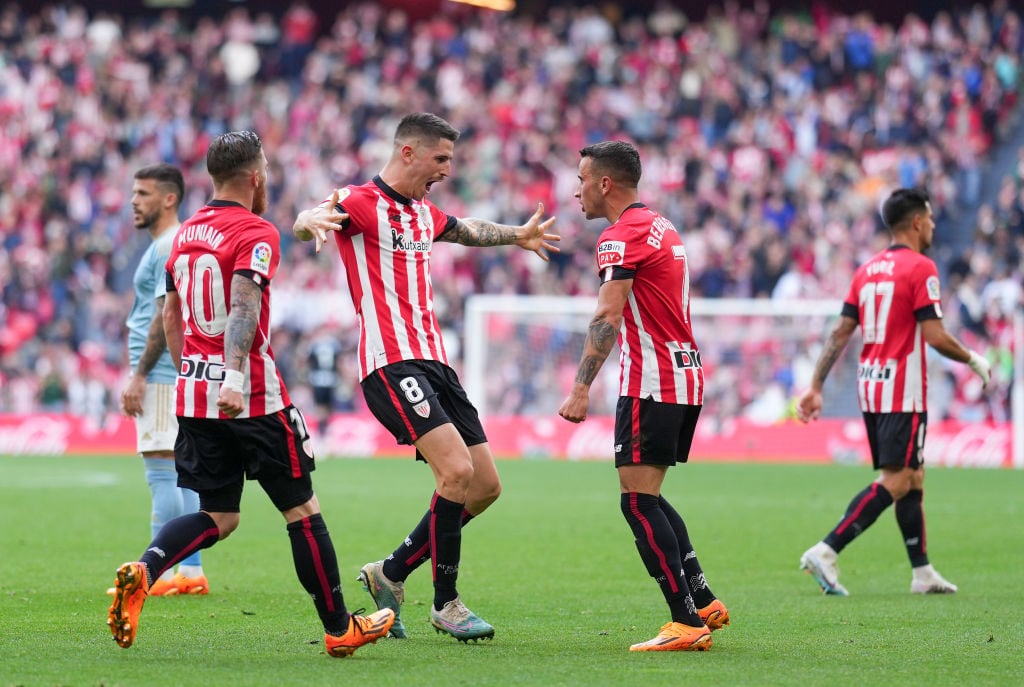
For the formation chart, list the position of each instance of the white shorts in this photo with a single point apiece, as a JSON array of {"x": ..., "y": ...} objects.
[{"x": 157, "y": 428}]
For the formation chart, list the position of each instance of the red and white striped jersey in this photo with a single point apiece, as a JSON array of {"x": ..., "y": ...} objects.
[
  {"x": 385, "y": 246},
  {"x": 658, "y": 355},
  {"x": 223, "y": 239},
  {"x": 890, "y": 295}
]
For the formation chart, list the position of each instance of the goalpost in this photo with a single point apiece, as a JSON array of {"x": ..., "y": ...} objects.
[{"x": 521, "y": 354}]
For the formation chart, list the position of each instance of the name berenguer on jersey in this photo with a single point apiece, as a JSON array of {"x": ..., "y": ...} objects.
[{"x": 200, "y": 232}]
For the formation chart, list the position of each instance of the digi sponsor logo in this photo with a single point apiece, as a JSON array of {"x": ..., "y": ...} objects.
[
  {"x": 610, "y": 253},
  {"x": 875, "y": 373},
  {"x": 261, "y": 254},
  {"x": 202, "y": 370},
  {"x": 687, "y": 359}
]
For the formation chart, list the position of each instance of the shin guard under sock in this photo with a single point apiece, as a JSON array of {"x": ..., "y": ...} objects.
[
  {"x": 659, "y": 550},
  {"x": 414, "y": 551},
  {"x": 317, "y": 568},
  {"x": 176, "y": 540},
  {"x": 445, "y": 547},
  {"x": 910, "y": 517},
  {"x": 863, "y": 510},
  {"x": 702, "y": 594}
]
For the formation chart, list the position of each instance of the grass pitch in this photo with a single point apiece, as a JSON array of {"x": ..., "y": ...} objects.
[{"x": 552, "y": 566}]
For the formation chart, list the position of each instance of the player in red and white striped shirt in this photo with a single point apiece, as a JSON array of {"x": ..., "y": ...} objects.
[
  {"x": 644, "y": 302},
  {"x": 894, "y": 298},
  {"x": 235, "y": 421},
  {"x": 385, "y": 230}
]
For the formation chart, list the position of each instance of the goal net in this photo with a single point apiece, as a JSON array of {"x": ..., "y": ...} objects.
[{"x": 521, "y": 354}]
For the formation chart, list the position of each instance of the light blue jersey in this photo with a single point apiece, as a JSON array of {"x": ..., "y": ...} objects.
[{"x": 150, "y": 283}]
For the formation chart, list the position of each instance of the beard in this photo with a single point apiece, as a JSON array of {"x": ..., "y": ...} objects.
[
  {"x": 259, "y": 200},
  {"x": 146, "y": 221}
]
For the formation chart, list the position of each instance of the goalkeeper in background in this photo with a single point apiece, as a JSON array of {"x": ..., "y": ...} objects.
[
  {"x": 644, "y": 302},
  {"x": 894, "y": 298}
]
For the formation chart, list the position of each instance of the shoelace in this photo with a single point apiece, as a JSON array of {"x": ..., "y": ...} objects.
[{"x": 457, "y": 609}]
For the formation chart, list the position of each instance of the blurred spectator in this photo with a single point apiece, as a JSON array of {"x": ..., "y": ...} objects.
[{"x": 767, "y": 140}]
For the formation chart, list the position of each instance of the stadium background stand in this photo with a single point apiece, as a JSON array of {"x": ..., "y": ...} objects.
[{"x": 766, "y": 135}]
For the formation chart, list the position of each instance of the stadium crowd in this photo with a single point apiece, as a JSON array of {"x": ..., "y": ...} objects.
[{"x": 767, "y": 139}]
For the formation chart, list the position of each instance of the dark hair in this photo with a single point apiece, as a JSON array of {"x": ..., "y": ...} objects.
[
  {"x": 616, "y": 159},
  {"x": 426, "y": 126},
  {"x": 903, "y": 203},
  {"x": 168, "y": 178},
  {"x": 232, "y": 153}
]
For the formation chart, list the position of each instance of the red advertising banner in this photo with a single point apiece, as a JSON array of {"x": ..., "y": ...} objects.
[{"x": 349, "y": 436}]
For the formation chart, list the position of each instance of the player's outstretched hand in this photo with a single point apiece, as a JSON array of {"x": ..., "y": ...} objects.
[
  {"x": 536, "y": 237},
  {"x": 809, "y": 406},
  {"x": 980, "y": 366},
  {"x": 316, "y": 223}
]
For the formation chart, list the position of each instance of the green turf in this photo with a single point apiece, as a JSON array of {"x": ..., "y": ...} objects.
[{"x": 552, "y": 566}]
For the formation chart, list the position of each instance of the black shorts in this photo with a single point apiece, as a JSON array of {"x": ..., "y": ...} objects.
[
  {"x": 651, "y": 433},
  {"x": 412, "y": 397},
  {"x": 214, "y": 457},
  {"x": 896, "y": 439}
]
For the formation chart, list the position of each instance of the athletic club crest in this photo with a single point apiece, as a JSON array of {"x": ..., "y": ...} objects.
[{"x": 422, "y": 409}]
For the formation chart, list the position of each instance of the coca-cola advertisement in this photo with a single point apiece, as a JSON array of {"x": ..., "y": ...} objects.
[{"x": 950, "y": 443}]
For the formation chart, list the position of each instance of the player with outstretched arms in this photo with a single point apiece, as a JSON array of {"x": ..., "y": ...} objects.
[
  {"x": 895, "y": 299},
  {"x": 385, "y": 230}
]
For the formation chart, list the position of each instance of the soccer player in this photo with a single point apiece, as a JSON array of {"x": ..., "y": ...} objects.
[
  {"x": 894, "y": 298},
  {"x": 385, "y": 230},
  {"x": 235, "y": 419},
  {"x": 644, "y": 303},
  {"x": 149, "y": 395}
]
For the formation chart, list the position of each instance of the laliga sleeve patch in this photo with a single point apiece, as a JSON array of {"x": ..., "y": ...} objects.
[
  {"x": 343, "y": 193},
  {"x": 610, "y": 253},
  {"x": 261, "y": 254},
  {"x": 932, "y": 285}
]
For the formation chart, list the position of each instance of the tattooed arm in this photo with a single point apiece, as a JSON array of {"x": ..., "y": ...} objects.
[
  {"x": 156, "y": 344},
  {"x": 532, "y": 236},
  {"x": 601, "y": 336},
  {"x": 809, "y": 406},
  {"x": 246, "y": 298}
]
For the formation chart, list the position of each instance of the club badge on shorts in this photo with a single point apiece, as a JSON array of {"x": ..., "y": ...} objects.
[{"x": 422, "y": 409}]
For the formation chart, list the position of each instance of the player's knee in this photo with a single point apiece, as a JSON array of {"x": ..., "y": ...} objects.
[
  {"x": 482, "y": 496},
  {"x": 492, "y": 490},
  {"x": 226, "y": 523},
  {"x": 456, "y": 477}
]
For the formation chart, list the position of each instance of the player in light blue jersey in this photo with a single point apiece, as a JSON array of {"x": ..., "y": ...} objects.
[{"x": 149, "y": 395}]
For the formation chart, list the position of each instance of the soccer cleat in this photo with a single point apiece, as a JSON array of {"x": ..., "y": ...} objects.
[
  {"x": 130, "y": 591},
  {"x": 677, "y": 637},
  {"x": 715, "y": 615},
  {"x": 190, "y": 585},
  {"x": 460, "y": 622},
  {"x": 819, "y": 562},
  {"x": 164, "y": 587},
  {"x": 361, "y": 630},
  {"x": 385, "y": 593},
  {"x": 927, "y": 580}
]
